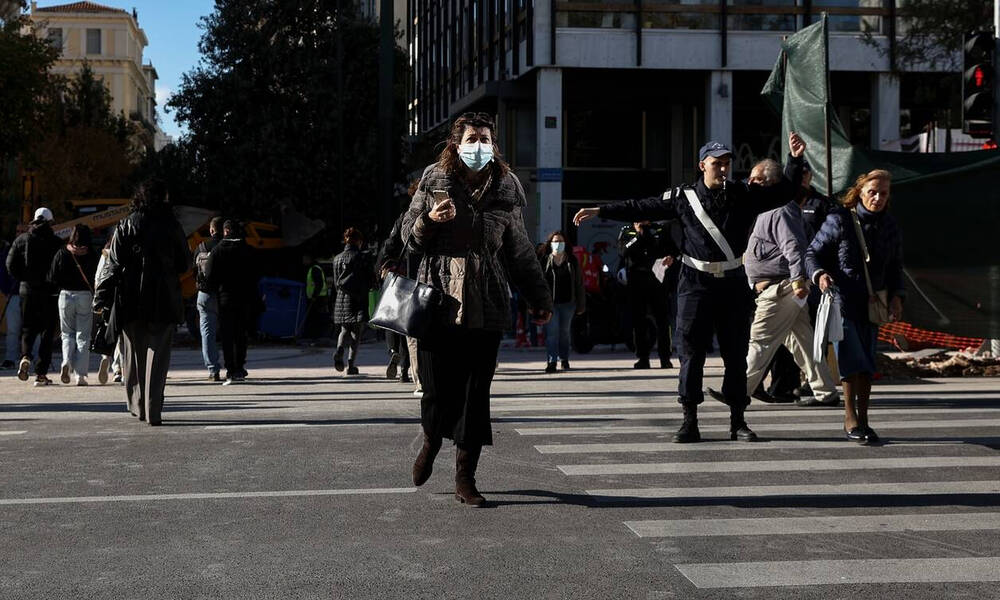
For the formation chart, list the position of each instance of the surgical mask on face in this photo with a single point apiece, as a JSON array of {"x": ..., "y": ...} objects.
[
  {"x": 476, "y": 155},
  {"x": 558, "y": 247}
]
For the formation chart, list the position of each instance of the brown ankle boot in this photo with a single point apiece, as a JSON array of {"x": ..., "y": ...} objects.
[
  {"x": 424, "y": 463},
  {"x": 466, "y": 460}
]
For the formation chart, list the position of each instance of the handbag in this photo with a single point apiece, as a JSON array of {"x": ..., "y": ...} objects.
[
  {"x": 104, "y": 336},
  {"x": 406, "y": 306},
  {"x": 878, "y": 300}
]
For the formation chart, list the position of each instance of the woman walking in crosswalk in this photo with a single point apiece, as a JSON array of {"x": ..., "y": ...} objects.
[{"x": 858, "y": 255}]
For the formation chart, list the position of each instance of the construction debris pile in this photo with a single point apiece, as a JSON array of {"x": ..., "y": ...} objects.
[{"x": 938, "y": 364}]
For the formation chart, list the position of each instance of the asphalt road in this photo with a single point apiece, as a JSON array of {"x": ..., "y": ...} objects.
[{"x": 297, "y": 485}]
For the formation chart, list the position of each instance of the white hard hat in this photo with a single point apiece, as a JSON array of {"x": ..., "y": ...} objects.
[{"x": 43, "y": 213}]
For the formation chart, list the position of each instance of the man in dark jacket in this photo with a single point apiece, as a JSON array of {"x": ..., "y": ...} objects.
[
  {"x": 141, "y": 280},
  {"x": 716, "y": 216},
  {"x": 28, "y": 261},
  {"x": 641, "y": 244},
  {"x": 208, "y": 303},
  {"x": 353, "y": 276},
  {"x": 233, "y": 275}
]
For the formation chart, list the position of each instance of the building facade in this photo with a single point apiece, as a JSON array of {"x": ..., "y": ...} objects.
[
  {"x": 111, "y": 41},
  {"x": 598, "y": 101}
]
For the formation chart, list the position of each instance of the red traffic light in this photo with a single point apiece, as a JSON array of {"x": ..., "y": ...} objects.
[{"x": 978, "y": 78}]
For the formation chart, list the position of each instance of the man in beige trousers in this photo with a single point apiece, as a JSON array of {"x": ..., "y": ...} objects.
[{"x": 775, "y": 266}]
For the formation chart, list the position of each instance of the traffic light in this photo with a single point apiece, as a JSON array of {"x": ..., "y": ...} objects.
[{"x": 978, "y": 73}]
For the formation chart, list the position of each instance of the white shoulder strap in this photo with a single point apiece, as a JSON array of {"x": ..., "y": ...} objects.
[{"x": 707, "y": 223}]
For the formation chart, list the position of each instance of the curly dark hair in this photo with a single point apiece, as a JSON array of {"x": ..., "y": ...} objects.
[
  {"x": 352, "y": 235},
  {"x": 449, "y": 160}
]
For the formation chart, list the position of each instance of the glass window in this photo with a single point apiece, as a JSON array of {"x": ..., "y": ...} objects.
[
  {"x": 760, "y": 15},
  {"x": 598, "y": 19},
  {"x": 93, "y": 41},
  {"x": 669, "y": 19},
  {"x": 850, "y": 22},
  {"x": 55, "y": 36},
  {"x": 525, "y": 137},
  {"x": 604, "y": 137}
]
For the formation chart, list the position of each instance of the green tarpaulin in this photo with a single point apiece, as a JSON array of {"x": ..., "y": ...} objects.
[{"x": 948, "y": 205}]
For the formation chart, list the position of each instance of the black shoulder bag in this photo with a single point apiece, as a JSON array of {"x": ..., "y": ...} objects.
[{"x": 406, "y": 306}]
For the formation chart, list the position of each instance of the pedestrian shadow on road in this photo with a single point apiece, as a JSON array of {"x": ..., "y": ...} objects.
[{"x": 497, "y": 498}]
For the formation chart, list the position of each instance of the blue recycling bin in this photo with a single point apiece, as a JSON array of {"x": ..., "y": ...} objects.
[{"x": 285, "y": 307}]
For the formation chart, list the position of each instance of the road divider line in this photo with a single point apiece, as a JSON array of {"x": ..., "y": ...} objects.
[{"x": 204, "y": 496}]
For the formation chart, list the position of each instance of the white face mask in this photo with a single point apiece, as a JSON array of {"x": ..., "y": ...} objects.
[
  {"x": 476, "y": 155},
  {"x": 558, "y": 247}
]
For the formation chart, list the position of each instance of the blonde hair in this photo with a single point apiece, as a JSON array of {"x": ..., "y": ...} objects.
[{"x": 853, "y": 195}]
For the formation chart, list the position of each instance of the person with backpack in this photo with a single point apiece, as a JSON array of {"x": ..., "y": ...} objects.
[
  {"x": 28, "y": 261},
  {"x": 208, "y": 303},
  {"x": 353, "y": 277},
  {"x": 72, "y": 273}
]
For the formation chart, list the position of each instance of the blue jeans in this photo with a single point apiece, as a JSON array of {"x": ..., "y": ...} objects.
[
  {"x": 76, "y": 319},
  {"x": 13, "y": 318},
  {"x": 208, "y": 322},
  {"x": 557, "y": 331}
]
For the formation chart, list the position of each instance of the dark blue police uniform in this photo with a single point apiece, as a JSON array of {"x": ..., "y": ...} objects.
[{"x": 713, "y": 293}]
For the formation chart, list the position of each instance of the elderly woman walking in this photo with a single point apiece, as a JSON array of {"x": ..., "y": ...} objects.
[
  {"x": 858, "y": 255},
  {"x": 465, "y": 218}
]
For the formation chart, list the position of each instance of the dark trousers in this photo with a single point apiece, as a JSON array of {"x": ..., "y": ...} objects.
[
  {"x": 234, "y": 322},
  {"x": 456, "y": 372},
  {"x": 145, "y": 362},
  {"x": 397, "y": 344},
  {"x": 707, "y": 304},
  {"x": 349, "y": 338},
  {"x": 39, "y": 319},
  {"x": 646, "y": 295},
  {"x": 785, "y": 374}
]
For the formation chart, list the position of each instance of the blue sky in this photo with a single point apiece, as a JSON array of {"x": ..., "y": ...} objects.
[{"x": 173, "y": 33}]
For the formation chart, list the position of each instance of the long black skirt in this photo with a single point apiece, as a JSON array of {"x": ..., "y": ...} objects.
[{"x": 456, "y": 372}]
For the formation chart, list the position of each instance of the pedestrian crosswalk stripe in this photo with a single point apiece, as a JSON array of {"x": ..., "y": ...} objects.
[
  {"x": 737, "y": 446},
  {"x": 722, "y": 411},
  {"x": 815, "y": 525},
  {"x": 762, "y": 427},
  {"x": 916, "y": 488},
  {"x": 817, "y": 416},
  {"x": 830, "y": 572},
  {"x": 760, "y": 466},
  {"x": 12, "y": 432}
]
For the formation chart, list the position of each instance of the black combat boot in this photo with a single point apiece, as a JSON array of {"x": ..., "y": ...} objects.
[
  {"x": 466, "y": 461},
  {"x": 688, "y": 433},
  {"x": 738, "y": 428},
  {"x": 424, "y": 463}
]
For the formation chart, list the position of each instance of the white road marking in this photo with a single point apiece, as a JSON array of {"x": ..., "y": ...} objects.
[
  {"x": 830, "y": 572},
  {"x": 785, "y": 491},
  {"x": 759, "y": 466},
  {"x": 763, "y": 427},
  {"x": 12, "y": 432},
  {"x": 815, "y": 525},
  {"x": 204, "y": 496},
  {"x": 732, "y": 446}
]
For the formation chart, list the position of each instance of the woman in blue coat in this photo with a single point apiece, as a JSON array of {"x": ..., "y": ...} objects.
[{"x": 837, "y": 260}]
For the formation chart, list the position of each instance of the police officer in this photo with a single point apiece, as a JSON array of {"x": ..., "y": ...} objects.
[
  {"x": 640, "y": 245},
  {"x": 716, "y": 216}
]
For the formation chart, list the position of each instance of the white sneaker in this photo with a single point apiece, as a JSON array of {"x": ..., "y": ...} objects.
[
  {"x": 81, "y": 381},
  {"x": 419, "y": 392},
  {"x": 64, "y": 375},
  {"x": 22, "y": 369},
  {"x": 102, "y": 372}
]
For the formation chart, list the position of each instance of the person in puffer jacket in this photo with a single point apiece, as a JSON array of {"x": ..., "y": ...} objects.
[
  {"x": 836, "y": 259},
  {"x": 465, "y": 217}
]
